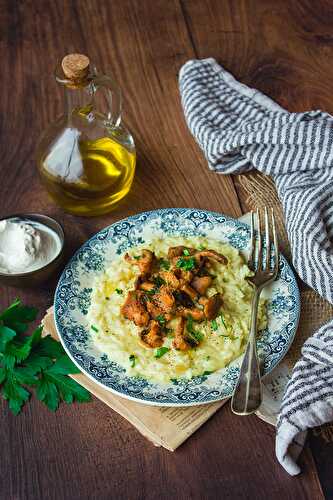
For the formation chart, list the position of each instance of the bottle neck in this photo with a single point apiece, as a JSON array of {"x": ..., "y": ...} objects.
[{"x": 78, "y": 101}]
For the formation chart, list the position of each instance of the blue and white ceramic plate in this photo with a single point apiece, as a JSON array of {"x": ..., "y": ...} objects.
[{"x": 72, "y": 300}]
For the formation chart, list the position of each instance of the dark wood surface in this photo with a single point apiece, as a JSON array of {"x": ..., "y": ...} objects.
[{"x": 281, "y": 47}]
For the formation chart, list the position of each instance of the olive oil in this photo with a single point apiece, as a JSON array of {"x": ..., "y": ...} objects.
[
  {"x": 90, "y": 177},
  {"x": 86, "y": 159}
]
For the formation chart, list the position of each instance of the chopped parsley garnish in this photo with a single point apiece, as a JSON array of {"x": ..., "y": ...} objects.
[
  {"x": 193, "y": 336},
  {"x": 161, "y": 351},
  {"x": 223, "y": 322},
  {"x": 93, "y": 327},
  {"x": 202, "y": 247},
  {"x": 136, "y": 257},
  {"x": 186, "y": 252},
  {"x": 214, "y": 325},
  {"x": 208, "y": 358},
  {"x": 164, "y": 264},
  {"x": 187, "y": 264},
  {"x": 118, "y": 291},
  {"x": 158, "y": 281},
  {"x": 161, "y": 319},
  {"x": 132, "y": 360},
  {"x": 207, "y": 372},
  {"x": 150, "y": 292},
  {"x": 107, "y": 298}
]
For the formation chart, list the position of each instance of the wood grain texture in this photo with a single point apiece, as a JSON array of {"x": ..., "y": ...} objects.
[{"x": 86, "y": 451}]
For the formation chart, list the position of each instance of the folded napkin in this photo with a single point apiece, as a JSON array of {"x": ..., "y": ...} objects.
[{"x": 238, "y": 129}]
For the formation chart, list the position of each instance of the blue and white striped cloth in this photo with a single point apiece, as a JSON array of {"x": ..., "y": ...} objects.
[{"x": 239, "y": 129}]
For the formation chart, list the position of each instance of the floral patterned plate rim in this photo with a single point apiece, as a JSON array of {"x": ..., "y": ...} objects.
[{"x": 72, "y": 299}]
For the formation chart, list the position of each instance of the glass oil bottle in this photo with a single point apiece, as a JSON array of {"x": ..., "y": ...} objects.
[{"x": 86, "y": 159}]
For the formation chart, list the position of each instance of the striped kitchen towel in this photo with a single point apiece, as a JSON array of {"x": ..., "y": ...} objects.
[{"x": 238, "y": 129}]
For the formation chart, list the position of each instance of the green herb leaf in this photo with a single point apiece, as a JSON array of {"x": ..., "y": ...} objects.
[
  {"x": 202, "y": 247},
  {"x": 25, "y": 375},
  {"x": 164, "y": 264},
  {"x": 64, "y": 366},
  {"x": 136, "y": 257},
  {"x": 161, "y": 319},
  {"x": 107, "y": 298},
  {"x": 15, "y": 394},
  {"x": 93, "y": 327},
  {"x": 186, "y": 252},
  {"x": 195, "y": 337},
  {"x": 187, "y": 264},
  {"x": 8, "y": 361},
  {"x": 37, "y": 362},
  {"x": 223, "y": 322},
  {"x": 18, "y": 317},
  {"x": 68, "y": 388},
  {"x": 6, "y": 334},
  {"x": 214, "y": 325},
  {"x": 33, "y": 361},
  {"x": 48, "y": 393},
  {"x": 19, "y": 349},
  {"x": 207, "y": 372},
  {"x": 49, "y": 347},
  {"x": 158, "y": 281},
  {"x": 161, "y": 351},
  {"x": 150, "y": 292},
  {"x": 119, "y": 291},
  {"x": 132, "y": 360}
]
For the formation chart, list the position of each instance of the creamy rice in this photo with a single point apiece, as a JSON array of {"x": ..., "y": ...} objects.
[{"x": 119, "y": 338}]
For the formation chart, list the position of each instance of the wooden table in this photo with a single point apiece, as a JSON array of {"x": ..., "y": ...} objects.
[{"x": 284, "y": 49}]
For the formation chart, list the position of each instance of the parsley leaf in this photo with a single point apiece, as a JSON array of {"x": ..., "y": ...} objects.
[
  {"x": 161, "y": 319},
  {"x": 161, "y": 351},
  {"x": 6, "y": 334},
  {"x": 15, "y": 394},
  {"x": 31, "y": 360},
  {"x": 63, "y": 366},
  {"x": 132, "y": 360},
  {"x": 193, "y": 336},
  {"x": 119, "y": 291},
  {"x": 187, "y": 264},
  {"x": 207, "y": 372},
  {"x": 93, "y": 327},
  {"x": 214, "y": 325},
  {"x": 18, "y": 317},
  {"x": 158, "y": 281},
  {"x": 223, "y": 322},
  {"x": 165, "y": 264},
  {"x": 186, "y": 252}
]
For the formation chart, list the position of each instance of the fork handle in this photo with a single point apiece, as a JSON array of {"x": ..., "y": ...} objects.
[{"x": 247, "y": 396}]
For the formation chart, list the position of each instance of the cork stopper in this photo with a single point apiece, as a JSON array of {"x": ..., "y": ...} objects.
[{"x": 75, "y": 66}]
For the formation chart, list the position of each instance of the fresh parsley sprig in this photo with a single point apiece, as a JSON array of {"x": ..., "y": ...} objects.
[{"x": 33, "y": 361}]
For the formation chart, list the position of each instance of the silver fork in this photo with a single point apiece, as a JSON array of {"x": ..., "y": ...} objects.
[{"x": 247, "y": 396}]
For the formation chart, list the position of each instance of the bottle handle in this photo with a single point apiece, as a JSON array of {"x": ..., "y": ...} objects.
[{"x": 112, "y": 93}]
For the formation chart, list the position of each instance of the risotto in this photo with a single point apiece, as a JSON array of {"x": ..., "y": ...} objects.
[{"x": 222, "y": 339}]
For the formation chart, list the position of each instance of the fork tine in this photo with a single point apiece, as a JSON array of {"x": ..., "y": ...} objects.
[
  {"x": 259, "y": 265},
  {"x": 276, "y": 246},
  {"x": 252, "y": 249},
  {"x": 268, "y": 241}
]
